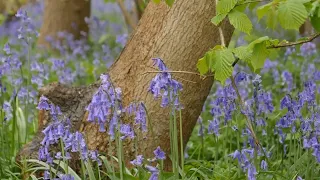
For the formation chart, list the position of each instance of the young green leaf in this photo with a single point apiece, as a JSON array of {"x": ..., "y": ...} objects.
[
  {"x": 263, "y": 10},
  {"x": 240, "y": 21},
  {"x": 170, "y": 2},
  {"x": 218, "y": 18},
  {"x": 242, "y": 52},
  {"x": 315, "y": 18},
  {"x": 225, "y": 6},
  {"x": 259, "y": 55},
  {"x": 223, "y": 68},
  {"x": 272, "y": 21},
  {"x": 292, "y": 14},
  {"x": 202, "y": 66}
]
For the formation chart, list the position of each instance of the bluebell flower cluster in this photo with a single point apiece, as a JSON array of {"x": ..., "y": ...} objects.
[
  {"x": 245, "y": 158},
  {"x": 60, "y": 130},
  {"x": 164, "y": 86},
  {"x": 138, "y": 110},
  {"x": 105, "y": 106},
  {"x": 158, "y": 155}
]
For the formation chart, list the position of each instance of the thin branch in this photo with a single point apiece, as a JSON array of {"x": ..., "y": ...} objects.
[
  {"x": 221, "y": 32},
  {"x": 248, "y": 2},
  {"x": 249, "y": 124},
  {"x": 235, "y": 62},
  {"x": 287, "y": 44},
  {"x": 179, "y": 72},
  {"x": 126, "y": 15}
]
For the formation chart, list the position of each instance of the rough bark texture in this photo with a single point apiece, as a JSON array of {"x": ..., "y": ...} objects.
[
  {"x": 180, "y": 36},
  {"x": 64, "y": 15}
]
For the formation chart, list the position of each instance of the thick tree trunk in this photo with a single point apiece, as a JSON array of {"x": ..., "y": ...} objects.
[
  {"x": 180, "y": 36},
  {"x": 64, "y": 15}
]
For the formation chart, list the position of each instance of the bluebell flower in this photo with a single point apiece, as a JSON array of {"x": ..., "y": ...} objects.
[
  {"x": 154, "y": 172},
  {"x": 43, "y": 103},
  {"x": 162, "y": 85},
  {"x": 126, "y": 131},
  {"x": 299, "y": 178},
  {"x": 46, "y": 175},
  {"x": 264, "y": 165},
  {"x": 252, "y": 172},
  {"x": 288, "y": 79},
  {"x": 214, "y": 126},
  {"x": 66, "y": 177},
  {"x": 6, "y": 49},
  {"x": 308, "y": 49},
  {"x": 159, "y": 154},
  {"x": 241, "y": 76},
  {"x": 201, "y": 127},
  {"x": 6, "y": 106},
  {"x": 138, "y": 161},
  {"x": 105, "y": 102}
]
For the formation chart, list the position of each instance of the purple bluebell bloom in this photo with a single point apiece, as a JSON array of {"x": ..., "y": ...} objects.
[
  {"x": 126, "y": 131},
  {"x": 7, "y": 49},
  {"x": 264, "y": 165},
  {"x": 43, "y": 103},
  {"x": 138, "y": 161},
  {"x": 159, "y": 154},
  {"x": 162, "y": 85},
  {"x": 214, "y": 126}
]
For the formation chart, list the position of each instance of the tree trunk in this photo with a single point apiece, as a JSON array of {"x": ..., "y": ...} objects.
[
  {"x": 180, "y": 36},
  {"x": 64, "y": 15}
]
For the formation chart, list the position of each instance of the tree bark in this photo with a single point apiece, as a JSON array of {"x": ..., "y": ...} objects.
[
  {"x": 180, "y": 36},
  {"x": 64, "y": 15}
]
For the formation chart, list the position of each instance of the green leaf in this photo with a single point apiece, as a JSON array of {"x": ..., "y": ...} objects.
[
  {"x": 292, "y": 14},
  {"x": 259, "y": 55},
  {"x": 315, "y": 21},
  {"x": 90, "y": 171},
  {"x": 170, "y": 2},
  {"x": 218, "y": 18},
  {"x": 224, "y": 6},
  {"x": 67, "y": 168},
  {"x": 272, "y": 20},
  {"x": 258, "y": 41},
  {"x": 263, "y": 10},
  {"x": 157, "y": 1},
  {"x": 240, "y": 21},
  {"x": 242, "y": 52},
  {"x": 223, "y": 59},
  {"x": 202, "y": 66}
]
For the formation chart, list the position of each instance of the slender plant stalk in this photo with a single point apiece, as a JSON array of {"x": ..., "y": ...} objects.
[
  {"x": 63, "y": 156},
  {"x": 175, "y": 144},
  {"x": 181, "y": 144}
]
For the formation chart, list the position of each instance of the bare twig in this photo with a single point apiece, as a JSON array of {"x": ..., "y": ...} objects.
[
  {"x": 179, "y": 72},
  {"x": 248, "y": 2},
  {"x": 249, "y": 124},
  {"x": 126, "y": 15},
  {"x": 287, "y": 44}
]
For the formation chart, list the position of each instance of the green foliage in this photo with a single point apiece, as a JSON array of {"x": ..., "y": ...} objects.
[
  {"x": 315, "y": 17},
  {"x": 218, "y": 18},
  {"x": 240, "y": 21},
  {"x": 219, "y": 60},
  {"x": 292, "y": 14},
  {"x": 225, "y": 6},
  {"x": 170, "y": 2}
]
